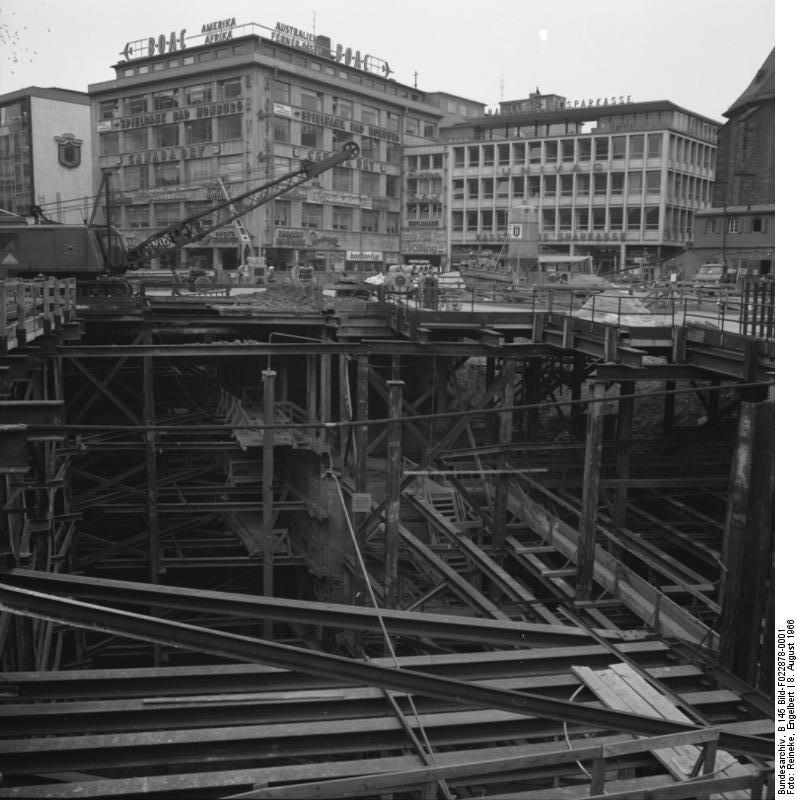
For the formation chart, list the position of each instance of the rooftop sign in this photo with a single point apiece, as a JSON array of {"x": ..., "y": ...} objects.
[{"x": 224, "y": 29}]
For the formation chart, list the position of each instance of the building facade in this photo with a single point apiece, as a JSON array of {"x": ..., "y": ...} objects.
[
  {"x": 190, "y": 120},
  {"x": 617, "y": 180},
  {"x": 45, "y": 153},
  {"x": 738, "y": 231}
]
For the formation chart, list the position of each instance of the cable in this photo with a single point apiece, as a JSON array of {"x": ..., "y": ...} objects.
[{"x": 382, "y": 625}]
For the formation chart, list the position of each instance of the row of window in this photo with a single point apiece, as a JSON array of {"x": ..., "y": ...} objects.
[
  {"x": 736, "y": 225},
  {"x": 164, "y": 99},
  {"x": 562, "y": 219},
  {"x": 584, "y": 150},
  {"x": 195, "y": 131},
  {"x": 316, "y": 137}
]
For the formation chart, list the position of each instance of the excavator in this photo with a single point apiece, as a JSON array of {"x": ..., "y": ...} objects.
[{"x": 97, "y": 256}]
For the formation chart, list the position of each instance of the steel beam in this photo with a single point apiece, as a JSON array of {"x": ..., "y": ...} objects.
[{"x": 243, "y": 648}]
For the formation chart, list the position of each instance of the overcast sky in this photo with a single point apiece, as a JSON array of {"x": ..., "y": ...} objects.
[{"x": 700, "y": 54}]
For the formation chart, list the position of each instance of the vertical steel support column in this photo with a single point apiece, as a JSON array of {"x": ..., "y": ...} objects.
[
  {"x": 393, "y": 499},
  {"x": 344, "y": 409},
  {"x": 749, "y": 543},
  {"x": 490, "y": 425},
  {"x": 532, "y": 378},
  {"x": 625, "y": 420},
  {"x": 151, "y": 456},
  {"x": 311, "y": 396},
  {"x": 585, "y": 560},
  {"x": 268, "y": 377},
  {"x": 669, "y": 410},
  {"x": 504, "y": 437},
  {"x": 361, "y": 460},
  {"x": 326, "y": 393},
  {"x": 576, "y": 380}
]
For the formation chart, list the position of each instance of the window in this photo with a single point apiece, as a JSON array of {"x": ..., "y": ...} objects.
[
  {"x": 412, "y": 126},
  {"x": 229, "y": 88},
  {"x": 198, "y": 170},
  {"x": 109, "y": 144},
  {"x": 599, "y": 182},
  {"x": 551, "y": 149},
  {"x": 566, "y": 186},
  {"x": 198, "y": 130},
  {"x": 369, "y": 221},
  {"x": 567, "y": 149},
  {"x": 167, "y": 174},
  {"x": 281, "y": 92},
  {"x": 137, "y": 104},
  {"x": 473, "y": 156},
  {"x": 487, "y": 219},
  {"x": 488, "y": 188},
  {"x": 599, "y": 219},
  {"x": 231, "y": 127},
  {"x": 636, "y": 146},
  {"x": 109, "y": 109},
  {"x": 136, "y": 177},
  {"x": 311, "y": 135},
  {"x": 392, "y": 153},
  {"x": 168, "y": 98},
  {"x": 634, "y": 218},
  {"x": 582, "y": 219},
  {"x": 634, "y": 183},
  {"x": 167, "y": 214},
  {"x": 535, "y": 152},
  {"x": 167, "y": 135},
  {"x": 472, "y": 220},
  {"x": 282, "y": 213},
  {"x": 342, "y": 107},
  {"x": 502, "y": 187},
  {"x": 369, "y": 148},
  {"x": 518, "y": 185},
  {"x": 341, "y": 218},
  {"x": 311, "y": 215},
  {"x": 584, "y": 149},
  {"x": 615, "y": 219},
  {"x": 138, "y": 216},
  {"x": 199, "y": 94},
  {"x": 429, "y": 131},
  {"x": 654, "y": 145},
  {"x": 369, "y": 183},
  {"x": 618, "y": 183},
  {"x": 549, "y": 185},
  {"x": 758, "y": 225},
  {"x": 601, "y": 148},
  {"x": 582, "y": 185},
  {"x": 369, "y": 115},
  {"x": 392, "y": 185},
  {"x": 518, "y": 152},
  {"x": 503, "y": 155},
  {"x": 618, "y": 147},
  {"x": 711, "y": 226},
  {"x": 533, "y": 185},
  {"x": 136, "y": 139},
  {"x": 473, "y": 188},
  {"x": 653, "y": 181},
  {"x": 652, "y": 218},
  {"x": 391, "y": 222},
  {"x": 548, "y": 219},
  {"x": 733, "y": 226},
  {"x": 565, "y": 219},
  {"x": 231, "y": 167},
  {"x": 457, "y": 221},
  {"x": 312, "y": 101},
  {"x": 341, "y": 179},
  {"x": 281, "y": 129}
]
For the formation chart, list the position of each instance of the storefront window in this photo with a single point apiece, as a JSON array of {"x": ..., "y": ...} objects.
[
  {"x": 229, "y": 88},
  {"x": 311, "y": 135},
  {"x": 137, "y": 104},
  {"x": 168, "y": 98}
]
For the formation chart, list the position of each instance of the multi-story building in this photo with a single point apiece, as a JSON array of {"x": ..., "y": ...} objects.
[
  {"x": 190, "y": 119},
  {"x": 615, "y": 179},
  {"x": 738, "y": 231},
  {"x": 45, "y": 153}
]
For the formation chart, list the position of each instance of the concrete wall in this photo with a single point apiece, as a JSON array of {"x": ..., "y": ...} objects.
[{"x": 52, "y": 182}]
